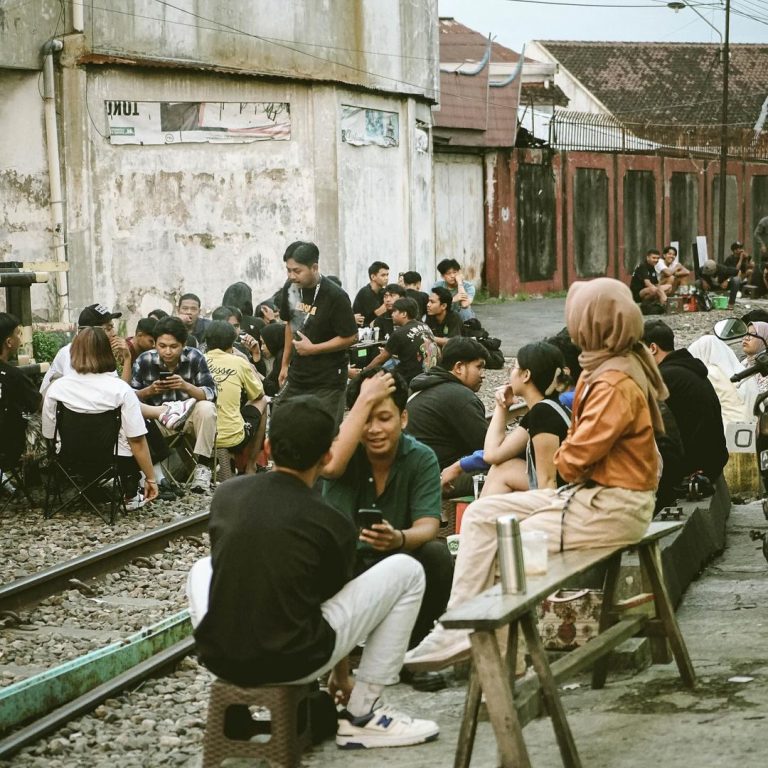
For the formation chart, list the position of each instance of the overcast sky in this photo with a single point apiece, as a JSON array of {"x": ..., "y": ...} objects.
[{"x": 514, "y": 22}]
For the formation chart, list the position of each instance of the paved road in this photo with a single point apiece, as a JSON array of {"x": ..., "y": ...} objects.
[{"x": 518, "y": 322}]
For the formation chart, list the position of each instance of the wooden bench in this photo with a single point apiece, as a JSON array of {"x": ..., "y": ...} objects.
[{"x": 510, "y": 705}]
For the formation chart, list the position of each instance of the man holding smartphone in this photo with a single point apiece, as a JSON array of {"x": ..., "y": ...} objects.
[
  {"x": 173, "y": 372},
  {"x": 377, "y": 468},
  {"x": 277, "y": 602}
]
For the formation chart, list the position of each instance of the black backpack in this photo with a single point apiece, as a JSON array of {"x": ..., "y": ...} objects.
[{"x": 473, "y": 329}]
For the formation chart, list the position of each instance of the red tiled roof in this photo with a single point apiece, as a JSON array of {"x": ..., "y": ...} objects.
[{"x": 667, "y": 83}]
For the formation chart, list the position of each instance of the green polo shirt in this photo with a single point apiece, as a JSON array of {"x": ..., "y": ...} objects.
[{"x": 412, "y": 490}]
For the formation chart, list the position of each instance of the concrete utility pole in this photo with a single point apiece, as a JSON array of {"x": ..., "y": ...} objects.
[{"x": 724, "y": 132}]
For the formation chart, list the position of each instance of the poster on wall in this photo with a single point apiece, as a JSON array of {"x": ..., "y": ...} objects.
[
  {"x": 183, "y": 122},
  {"x": 361, "y": 127}
]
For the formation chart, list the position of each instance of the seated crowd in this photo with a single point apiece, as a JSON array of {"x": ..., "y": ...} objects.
[{"x": 340, "y": 544}]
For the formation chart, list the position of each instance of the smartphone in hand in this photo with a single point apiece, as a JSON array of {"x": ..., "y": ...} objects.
[{"x": 367, "y": 518}]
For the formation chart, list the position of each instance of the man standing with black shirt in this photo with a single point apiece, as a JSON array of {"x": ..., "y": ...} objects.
[
  {"x": 368, "y": 304},
  {"x": 319, "y": 328},
  {"x": 280, "y": 604}
]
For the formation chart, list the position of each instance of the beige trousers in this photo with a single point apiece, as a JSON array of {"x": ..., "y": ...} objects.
[
  {"x": 595, "y": 517},
  {"x": 201, "y": 424}
]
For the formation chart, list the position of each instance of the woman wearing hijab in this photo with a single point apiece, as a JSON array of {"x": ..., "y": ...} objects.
[
  {"x": 721, "y": 365},
  {"x": 609, "y": 459},
  {"x": 755, "y": 342}
]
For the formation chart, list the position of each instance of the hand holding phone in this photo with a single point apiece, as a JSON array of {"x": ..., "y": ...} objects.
[{"x": 367, "y": 518}]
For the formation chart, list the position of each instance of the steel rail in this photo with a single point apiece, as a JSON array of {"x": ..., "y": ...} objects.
[
  {"x": 38, "y": 586},
  {"x": 94, "y": 697}
]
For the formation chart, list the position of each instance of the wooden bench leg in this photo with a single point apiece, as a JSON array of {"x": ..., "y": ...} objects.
[
  {"x": 600, "y": 670},
  {"x": 650, "y": 558},
  {"x": 491, "y": 671},
  {"x": 468, "y": 726},
  {"x": 549, "y": 692},
  {"x": 512, "y": 645}
]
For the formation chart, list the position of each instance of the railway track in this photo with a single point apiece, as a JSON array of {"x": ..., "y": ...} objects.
[{"x": 124, "y": 586}]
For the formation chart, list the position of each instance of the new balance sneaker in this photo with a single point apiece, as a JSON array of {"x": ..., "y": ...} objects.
[
  {"x": 440, "y": 648},
  {"x": 177, "y": 413},
  {"x": 383, "y": 727},
  {"x": 201, "y": 479},
  {"x": 137, "y": 502}
]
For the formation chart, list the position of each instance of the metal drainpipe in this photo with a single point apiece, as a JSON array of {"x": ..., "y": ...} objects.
[
  {"x": 78, "y": 18},
  {"x": 54, "y": 176}
]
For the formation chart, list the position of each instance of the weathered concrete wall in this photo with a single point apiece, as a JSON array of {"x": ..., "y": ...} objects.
[
  {"x": 25, "y": 233},
  {"x": 345, "y": 41},
  {"x": 147, "y": 223},
  {"x": 24, "y": 27},
  {"x": 385, "y": 198},
  {"x": 459, "y": 223}
]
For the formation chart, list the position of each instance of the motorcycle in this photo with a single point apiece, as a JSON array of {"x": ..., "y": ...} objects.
[{"x": 733, "y": 329}]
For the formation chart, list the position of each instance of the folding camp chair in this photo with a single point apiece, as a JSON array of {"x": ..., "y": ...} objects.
[{"x": 83, "y": 463}]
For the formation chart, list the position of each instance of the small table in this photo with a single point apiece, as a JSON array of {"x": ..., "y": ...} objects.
[{"x": 362, "y": 353}]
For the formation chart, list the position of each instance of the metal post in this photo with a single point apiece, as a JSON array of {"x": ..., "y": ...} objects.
[{"x": 724, "y": 134}]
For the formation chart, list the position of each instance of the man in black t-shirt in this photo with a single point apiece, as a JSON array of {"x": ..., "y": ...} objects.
[
  {"x": 412, "y": 343},
  {"x": 276, "y": 602},
  {"x": 443, "y": 323},
  {"x": 17, "y": 394},
  {"x": 412, "y": 285},
  {"x": 368, "y": 304},
  {"x": 319, "y": 328},
  {"x": 645, "y": 281},
  {"x": 384, "y": 322}
]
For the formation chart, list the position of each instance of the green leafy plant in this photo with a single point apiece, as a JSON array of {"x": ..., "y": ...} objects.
[{"x": 46, "y": 344}]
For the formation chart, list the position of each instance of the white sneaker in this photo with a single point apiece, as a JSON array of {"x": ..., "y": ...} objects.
[
  {"x": 137, "y": 502},
  {"x": 201, "y": 479},
  {"x": 383, "y": 727},
  {"x": 440, "y": 648},
  {"x": 176, "y": 413}
]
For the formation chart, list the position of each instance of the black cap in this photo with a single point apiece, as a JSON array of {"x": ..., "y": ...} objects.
[
  {"x": 96, "y": 314},
  {"x": 301, "y": 431},
  {"x": 736, "y": 244}
]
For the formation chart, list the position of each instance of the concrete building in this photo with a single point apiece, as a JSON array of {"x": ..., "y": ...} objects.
[{"x": 194, "y": 146}]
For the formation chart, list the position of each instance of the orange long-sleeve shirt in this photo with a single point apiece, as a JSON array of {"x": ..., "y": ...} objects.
[{"x": 611, "y": 439}]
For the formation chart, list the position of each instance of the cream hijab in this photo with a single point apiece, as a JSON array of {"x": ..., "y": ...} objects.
[{"x": 603, "y": 319}]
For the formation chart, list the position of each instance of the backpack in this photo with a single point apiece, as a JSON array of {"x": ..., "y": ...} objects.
[{"x": 473, "y": 329}]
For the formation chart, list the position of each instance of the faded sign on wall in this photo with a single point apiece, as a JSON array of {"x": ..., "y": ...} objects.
[
  {"x": 361, "y": 126},
  {"x": 179, "y": 122}
]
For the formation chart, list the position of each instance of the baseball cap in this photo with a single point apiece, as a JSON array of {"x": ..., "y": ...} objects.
[
  {"x": 96, "y": 314},
  {"x": 736, "y": 244},
  {"x": 709, "y": 267},
  {"x": 301, "y": 431}
]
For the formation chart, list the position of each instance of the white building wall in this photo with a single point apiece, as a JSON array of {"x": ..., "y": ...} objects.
[
  {"x": 580, "y": 99},
  {"x": 25, "y": 220},
  {"x": 149, "y": 223},
  {"x": 459, "y": 223}
]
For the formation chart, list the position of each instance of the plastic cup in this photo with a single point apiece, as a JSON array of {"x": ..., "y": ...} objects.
[
  {"x": 453, "y": 543},
  {"x": 534, "y": 552},
  {"x": 478, "y": 481}
]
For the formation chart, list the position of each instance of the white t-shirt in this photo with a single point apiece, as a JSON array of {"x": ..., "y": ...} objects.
[
  {"x": 95, "y": 393},
  {"x": 60, "y": 366}
]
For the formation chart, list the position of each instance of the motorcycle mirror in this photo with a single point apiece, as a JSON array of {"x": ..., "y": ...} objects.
[{"x": 730, "y": 329}]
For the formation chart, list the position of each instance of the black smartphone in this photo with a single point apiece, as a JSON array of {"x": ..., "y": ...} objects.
[
  {"x": 367, "y": 518},
  {"x": 165, "y": 374}
]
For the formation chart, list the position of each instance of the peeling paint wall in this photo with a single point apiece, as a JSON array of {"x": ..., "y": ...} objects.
[
  {"x": 162, "y": 220},
  {"x": 385, "y": 197},
  {"x": 148, "y": 223},
  {"x": 459, "y": 212},
  {"x": 25, "y": 222},
  {"x": 347, "y": 41}
]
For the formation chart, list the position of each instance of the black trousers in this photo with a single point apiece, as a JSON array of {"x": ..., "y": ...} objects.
[{"x": 438, "y": 570}]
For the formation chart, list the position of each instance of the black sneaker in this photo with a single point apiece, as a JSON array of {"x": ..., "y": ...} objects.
[{"x": 165, "y": 491}]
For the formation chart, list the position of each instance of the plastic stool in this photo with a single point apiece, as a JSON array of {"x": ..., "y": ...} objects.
[{"x": 235, "y": 729}]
